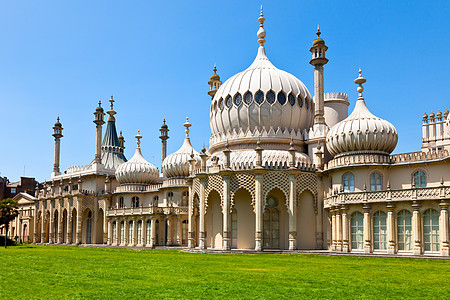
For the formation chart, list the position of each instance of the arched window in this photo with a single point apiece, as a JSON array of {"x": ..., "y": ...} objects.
[
  {"x": 375, "y": 181},
  {"x": 270, "y": 97},
  {"x": 155, "y": 200},
  {"x": 234, "y": 229},
  {"x": 228, "y": 101},
  {"x": 184, "y": 198},
  {"x": 248, "y": 98},
  {"x": 114, "y": 232},
  {"x": 404, "y": 231},
  {"x": 291, "y": 99},
  {"x": 357, "y": 233},
  {"x": 281, "y": 98},
  {"x": 148, "y": 231},
  {"x": 139, "y": 233},
  {"x": 130, "y": 232},
  {"x": 122, "y": 232},
  {"x": 271, "y": 225},
  {"x": 349, "y": 182},
  {"x": 431, "y": 230},
  {"x": 300, "y": 101},
  {"x": 121, "y": 202},
  {"x": 237, "y": 99},
  {"x": 135, "y": 202},
  {"x": 419, "y": 179},
  {"x": 379, "y": 231},
  {"x": 221, "y": 103},
  {"x": 184, "y": 232},
  {"x": 259, "y": 97},
  {"x": 170, "y": 196}
]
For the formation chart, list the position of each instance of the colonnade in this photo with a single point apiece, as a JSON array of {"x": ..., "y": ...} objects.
[{"x": 341, "y": 227}]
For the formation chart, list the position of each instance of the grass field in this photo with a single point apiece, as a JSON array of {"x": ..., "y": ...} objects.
[{"x": 78, "y": 272}]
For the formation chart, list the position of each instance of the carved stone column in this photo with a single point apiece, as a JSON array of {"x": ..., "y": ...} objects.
[
  {"x": 35, "y": 220},
  {"x": 417, "y": 250},
  {"x": 169, "y": 231},
  {"x": 51, "y": 235},
  {"x": 144, "y": 232},
  {"x": 110, "y": 237},
  {"x": 226, "y": 244},
  {"x": 292, "y": 213},
  {"x": 391, "y": 228},
  {"x": 60, "y": 225},
  {"x": 333, "y": 229},
  {"x": 258, "y": 211},
  {"x": 443, "y": 228},
  {"x": 179, "y": 233},
  {"x": 79, "y": 220},
  {"x": 338, "y": 230},
  {"x": 202, "y": 239},
  {"x": 153, "y": 232},
  {"x": 134, "y": 240},
  {"x": 345, "y": 229},
  {"x": 191, "y": 237},
  {"x": 367, "y": 229},
  {"x": 69, "y": 228},
  {"x": 44, "y": 217},
  {"x": 118, "y": 231}
]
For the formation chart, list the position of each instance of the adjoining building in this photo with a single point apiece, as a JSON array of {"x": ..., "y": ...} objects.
[{"x": 284, "y": 170}]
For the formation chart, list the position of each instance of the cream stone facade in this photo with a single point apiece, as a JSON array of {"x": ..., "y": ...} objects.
[{"x": 284, "y": 170}]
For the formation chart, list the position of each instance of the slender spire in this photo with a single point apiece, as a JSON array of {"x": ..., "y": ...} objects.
[
  {"x": 318, "y": 31},
  {"x": 360, "y": 80},
  {"x": 111, "y": 112},
  {"x": 138, "y": 137},
  {"x": 187, "y": 125},
  {"x": 261, "y": 32}
]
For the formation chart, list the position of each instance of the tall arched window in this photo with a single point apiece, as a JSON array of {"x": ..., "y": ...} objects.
[
  {"x": 184, "y": 198},
  {"x": 121, "y": 202},
  {"x": 148, "y": 231},
  {"x": 114, "y": 232},
  {"x": 130, "y": 232},
  {"x": 184, "y": 232},
  {"x": 349, "y": 182},
  {"x": 234, "y": 229},
  {"x": 379, "y": 231},
  {"x": 357, "y": 233},
  {"x": 122, "y": 232},
  {"x": 139, "y": 232},
  {"x": 89, "y": 228},
  {"x": 155, "y": 201},
  {"x": 170, "y": 196},
  {"x": 420, "y": 179},
  {"x": 404, "y": 230},
  {"x": 271, "y": 224},
  {"x": 431, "y": 230},
  {"x": 375, "y": 181},
  {"x": 135, "y": 202}
]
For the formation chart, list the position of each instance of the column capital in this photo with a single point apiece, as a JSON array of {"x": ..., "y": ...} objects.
[
  {"x": 444, "y": 205},
  {"x": 390, "y": 206},
  {"x": 416, "y": 205},
  {"x": 366, "y": 207}
]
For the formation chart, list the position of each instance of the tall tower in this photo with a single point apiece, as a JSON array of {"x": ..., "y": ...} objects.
[
  {"x": 99, "y": 114},
  {"x": 164, "y": 137},
  {"x": 318, "y": 60},
  {"x": 57, "y": 134},
  {"x": 214, "y": 83}
]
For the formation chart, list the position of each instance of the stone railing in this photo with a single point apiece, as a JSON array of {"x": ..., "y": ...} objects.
[
  {"x": 174, "y": 182},
  {"x": 149, "y": 210},
  {"x": 137, "y": 188},
  {"x": 248, "y": 166},
  {"x": 432, "y": 193},
  {"x": 62, "y": 194},
  {"x": 373, "y": 158}
]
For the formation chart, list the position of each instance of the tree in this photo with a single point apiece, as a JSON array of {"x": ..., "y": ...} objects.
[{"x": 8, "y": 212}]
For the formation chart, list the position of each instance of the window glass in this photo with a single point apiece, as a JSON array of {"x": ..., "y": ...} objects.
[
  {"x": 379, "y": 231},
  {"x": 300, "y": 101},
  {"x": 349, "y": 182},
  {"x": 375, "y": 181},
  {"x": 404, "y": 230},
  {"x": 221, "y": 103},
  {"x": 259, "y": 97},
  {"x": 281, "y": 98},
  {"x": 431, "y": 230},
  {"x": 237, "y": 99},
  {"x": 419, "y": 179},
  {"x": 228, "y": 101},
  {"x": 291, "y": 99},
  {"x": 270, "y": 97},
  {"x": 357, "y": 233},
  {"x": 248, "y": 98}
]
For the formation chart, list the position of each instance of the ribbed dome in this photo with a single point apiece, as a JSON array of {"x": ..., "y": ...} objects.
[
  {"x": 362, "y": 131},
  {"x": 260, "y": 101},
  {"x": 137, "y": 170},
  {"x": 177, "y": 164}
]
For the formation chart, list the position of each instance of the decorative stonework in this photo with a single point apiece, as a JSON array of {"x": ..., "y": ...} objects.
[
  {"x": 307, "y": 181},
  {"x": 245, "y": 181},
  {"x": 276, "y": 179},
  {"x": 214, "y": 183}
]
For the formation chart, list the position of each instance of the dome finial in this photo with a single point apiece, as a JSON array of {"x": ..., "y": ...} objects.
[
  {"x": 138, "y": 137},
  {"x": 111, "y": 112},
  {"x": 261, "y": 32},
  {"x": 360, "y": 80},
  {"x": 318, "y": 31},
  {"x": 187, "y": 125}
]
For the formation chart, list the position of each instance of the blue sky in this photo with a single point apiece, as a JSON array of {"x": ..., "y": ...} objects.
[{"x": 155, "y": 57}]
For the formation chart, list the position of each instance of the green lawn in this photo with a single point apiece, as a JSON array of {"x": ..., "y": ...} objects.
[{"x": 77, "y": 272}]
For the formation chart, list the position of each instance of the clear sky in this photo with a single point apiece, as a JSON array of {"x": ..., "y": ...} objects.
[{"x": 155, "y": 57}]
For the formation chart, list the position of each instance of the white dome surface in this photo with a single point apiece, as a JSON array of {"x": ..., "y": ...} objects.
[
  {"x": 177, "y": 164},
  {"x": 260, "y": 101},
  {"x": 137, "y": 171},
  {"x": 362, "y": 131}
]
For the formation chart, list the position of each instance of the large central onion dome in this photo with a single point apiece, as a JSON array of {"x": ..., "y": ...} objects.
[
  {"x": 177, "y": 164},
  {"x": 137, "y": 170},
  {"x": 260, "y": 101},
  {"x": 362, "y": 131}
]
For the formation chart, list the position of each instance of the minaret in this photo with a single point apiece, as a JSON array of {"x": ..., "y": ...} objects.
[
  {"x": 318, "y": 60},
  {"x": 164, "y": 136},
  {"x": 121, "y": 141},
  {"x": 98, "y": 136},
  {"x": 214, "y": 83},
  {"x": 57, "y": 133}
]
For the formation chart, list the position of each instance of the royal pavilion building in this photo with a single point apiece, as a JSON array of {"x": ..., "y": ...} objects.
[{"x": 284, "y": 170}]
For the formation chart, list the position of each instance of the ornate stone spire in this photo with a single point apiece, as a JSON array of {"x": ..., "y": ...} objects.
[
  {"x": 360, "y": 80},
  {"x": 261, "y": 32},
  {"x": 187, "y": 125},
  {"x": 111, "y": 112},
  {"x": 138, "y": 137}
]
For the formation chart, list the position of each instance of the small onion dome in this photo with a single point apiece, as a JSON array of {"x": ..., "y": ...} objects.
[
  {"x": 99, "y": 108},
  {"x": 177, "y": 164},
  {"x": 215, "y": 76},
  {"x": 58, "y": 124},
  {"x": 137, "y": 170},
  {"x": 318, "y": 40},
  {"x": 362, "y": 131}
]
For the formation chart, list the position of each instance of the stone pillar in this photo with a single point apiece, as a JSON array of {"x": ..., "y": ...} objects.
[
  {"x": 345, "y": 229},
  {"x": 179, "y": 233},
  {"x": 226, "y": 213},
  {"x": 338, "y": 230},
  {"x": 153, "y": 232},
  {"x": 259, "y": 202},
  {"x": 134, "y": 239},
  {"x": 333, "y": 229},
  {"x": 202, "y": 239},
  {"x": 144, "y": 232},
  {"x": 292, "y": 213},
  {"x": 319, "y": 216},
  {"x": 127, "y": 232},
  {"x": 417, "y": 250},
  {"x": 191, "y": 237},
  {"x": 35, "y": 220},
  {"x": 51, "y": 235},
  {"x": 69, "y": 228},
  {"x": 443, "y": 229},
  {"x": 60, "y": 227},
  {"x": 169, "y": 231},
  {"x": 390, "y": 228},
  {"x": 79, "y": 220},
  {"x": 118, "y": 231},
  {"x": 110, "y": 237},
  {"x": 44, "y": 216},
  {"x": 367, "y": 229}
]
